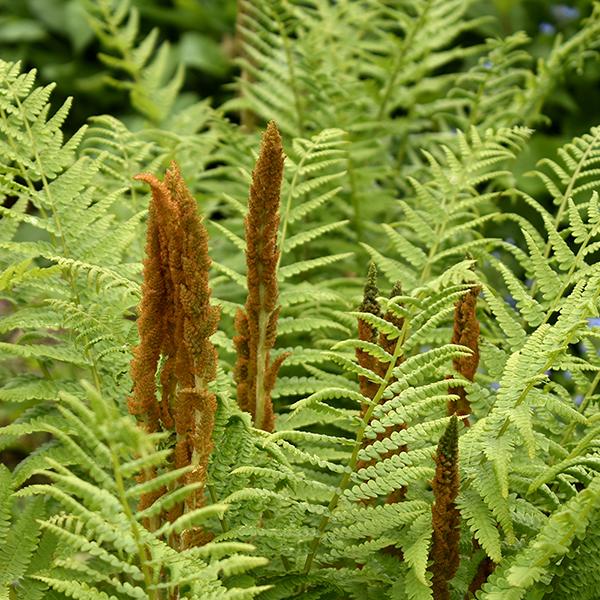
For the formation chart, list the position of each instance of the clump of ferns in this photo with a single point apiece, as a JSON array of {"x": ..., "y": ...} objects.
[
  {"x": 332, "y": 528},
  {"x": 175, "y": 365},
  {"x": 176, "y": 357},
  {"x": 444, "y": 552}
]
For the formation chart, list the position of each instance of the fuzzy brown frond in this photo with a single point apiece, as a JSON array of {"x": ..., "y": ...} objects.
[
  {"x": 466, "y": 333},
  {"x": 484, "y": 570},
  {"x": 256, "y": 325},
  {"x": 175, "y": 324},
  {"x": 368, "y": 333},
  {"x": 445, "y": 516}
]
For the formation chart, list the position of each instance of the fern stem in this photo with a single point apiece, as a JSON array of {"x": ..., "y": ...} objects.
[
  {"x": 357, "y": 221},
  {"x": 551, "y": 70},
  {"x": 567, "y": 284},
  {"x": 358, "y": 444},
  {"x": 567, "y": 195},
  {"x": 262, "y": 353},
  {"x": 522, "y": 397},
  {"x": 547, "y": 366},
  {"x": 213, "y": 496},
  {"x": 288, "y": 208},
  {"x": 128, "y": 57},
  {"x": 584, "y": 404},
  {"x": 531, "y": 384},
  {"x": 247, "y": 117},
  {"x": 439, "y": 230}
]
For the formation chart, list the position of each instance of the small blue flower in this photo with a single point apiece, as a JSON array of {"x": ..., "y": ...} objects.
[
  {"x": 594, "y": 322},
  {"x": 547, "y": 28},
  {"x": 495, "y": 385},
  {"x": 568, "y": 375},
  {"x": 488, "y": 64},
  {"x": 578, "y": 399},
  {"x": 563, "y": 13}
]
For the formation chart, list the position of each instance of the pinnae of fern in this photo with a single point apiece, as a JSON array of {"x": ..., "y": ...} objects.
[{"x": 256, "y": 323}]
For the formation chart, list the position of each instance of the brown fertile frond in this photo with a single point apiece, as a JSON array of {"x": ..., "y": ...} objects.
[
  {"x": 176, "y": 322},
  {"x": 387, "y": 344},
  {"x": 444, "y": 514},
  {"x": 466, "y": 333},
  {"x": 484, "y": 570},
  {"x": 256, "y": 325},
  {"x": 153, "y": 314},
  {"x": 368, "y": 333}
]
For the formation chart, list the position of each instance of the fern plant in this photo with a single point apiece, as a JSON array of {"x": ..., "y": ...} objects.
[{"x": 230, "y": 410}]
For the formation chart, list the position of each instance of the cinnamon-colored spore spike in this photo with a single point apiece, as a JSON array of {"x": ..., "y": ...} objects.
[
  {"x": 466, "y": 333},
  {"x": 256, "y": 324},
  {"x": 176, "y": 321},
  {"x": 445, "y": 516},
  {"x": 368, "y": 333}
]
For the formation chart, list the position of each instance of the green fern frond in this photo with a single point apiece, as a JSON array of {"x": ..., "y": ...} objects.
[{"x": 152, "y": 86}]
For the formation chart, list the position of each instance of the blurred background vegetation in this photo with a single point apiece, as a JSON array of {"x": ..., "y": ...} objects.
[{"x": 56, "y": 37}]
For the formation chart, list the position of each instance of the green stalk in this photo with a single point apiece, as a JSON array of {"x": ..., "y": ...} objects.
[{"x": 357, "y": 447}]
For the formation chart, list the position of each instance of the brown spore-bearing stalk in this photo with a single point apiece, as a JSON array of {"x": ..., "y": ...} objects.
[
  {"x": 175, "y": 323},
  {"x": 444, "y": 514},
  {"x": 368, "y": 333},
  {"x": 466, "y": 333},
  {"x": 484, "y": 570},
  {"x": 256, "y": 324}
]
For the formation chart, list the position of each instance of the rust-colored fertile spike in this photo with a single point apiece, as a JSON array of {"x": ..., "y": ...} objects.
[
  {"x": 466, "y": 333},
  {"x": 368, "y": 333},
  {"x": 484, "y": 570},
  {"x": 176, "y": 322},
  {"x": 153, "y": 313},
  {"x": 256, "y": 324},
  {"x": 445, "y": 516}
]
